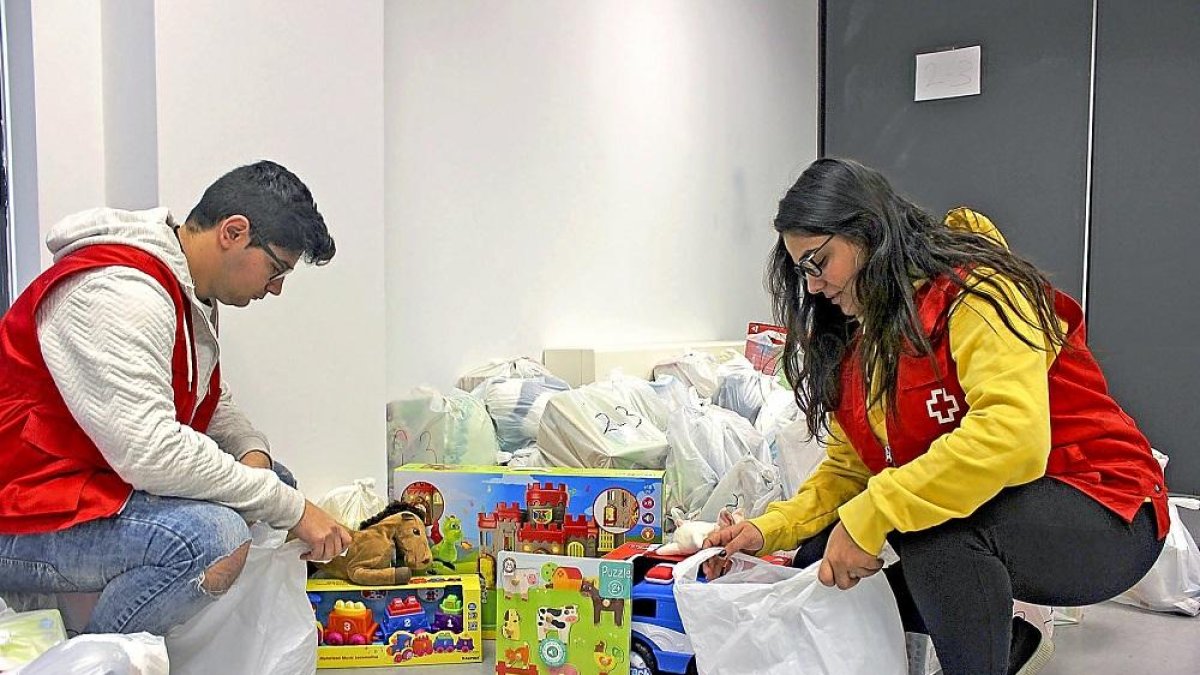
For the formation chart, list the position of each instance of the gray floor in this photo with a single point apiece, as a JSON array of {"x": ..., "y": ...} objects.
[{"x": 1111, "y": 639}]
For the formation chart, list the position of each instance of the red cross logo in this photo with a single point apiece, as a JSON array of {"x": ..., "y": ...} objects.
[{"x": 942, "y": 406}]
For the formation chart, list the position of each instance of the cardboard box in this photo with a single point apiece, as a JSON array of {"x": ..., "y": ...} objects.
[
  {"x": 432, "y": 620},
  {"x": 475, "y": 512},
  {"x": 557, "y": 611}
]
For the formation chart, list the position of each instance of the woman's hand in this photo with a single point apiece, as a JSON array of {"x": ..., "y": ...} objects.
[
  {"x": 743, "y": 537},
  {"x": 844, "y": 562}
]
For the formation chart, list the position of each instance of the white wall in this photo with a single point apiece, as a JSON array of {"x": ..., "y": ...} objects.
[
  {"x": 69, "y": 100},
  {"x": 586, "y": 173},
  {"x": 296, "y": 81},
  {"x": 499, "y": 177}
]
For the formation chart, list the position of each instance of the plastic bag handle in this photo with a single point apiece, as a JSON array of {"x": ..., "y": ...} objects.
[
  {"x": 688, "y": 570},
  {"x": 1189, "y": 503}
]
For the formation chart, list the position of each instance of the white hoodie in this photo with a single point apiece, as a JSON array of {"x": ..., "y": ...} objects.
[{"x": 108, "y": 335}]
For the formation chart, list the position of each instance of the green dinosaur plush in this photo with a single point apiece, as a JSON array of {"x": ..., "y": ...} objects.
[{"x": 445, "y": 552}]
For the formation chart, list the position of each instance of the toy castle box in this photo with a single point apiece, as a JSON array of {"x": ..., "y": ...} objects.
[{"x": 475, "y": 512}]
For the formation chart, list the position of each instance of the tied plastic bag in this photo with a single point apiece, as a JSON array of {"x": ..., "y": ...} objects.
[
  {"x": 593, "y": 428},
  {"x": 768, "y": 619},
  {"x": 743, "y": 390},
  {"x": 521, "y": 367},
  {"x": 694, "y": 369},
  {"x": 1173, "y": 583},
  {"x": 705, "y": 444},
  {"x": 354, "y": 503},
  {"x": 430, "y": 428},
  {"x": 106, "y": 654},
  {"x": 749, "y": 485},
  {"x": 516, "y": 406},
  {"x": 263, "y": 624},
  {"x": 638, "y": 395}
]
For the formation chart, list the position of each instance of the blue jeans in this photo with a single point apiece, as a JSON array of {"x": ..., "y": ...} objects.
[{"x": 147, "y": 562}]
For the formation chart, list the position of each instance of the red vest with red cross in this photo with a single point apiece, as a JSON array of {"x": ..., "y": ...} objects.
[
  {"x": 54, "y": 476},
  {"x": 1095, "y": 446}
]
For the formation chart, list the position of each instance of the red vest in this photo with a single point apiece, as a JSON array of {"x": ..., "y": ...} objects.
[
  {"x": 1094, "y": 446},
  {"x": 53, "y": 475}
]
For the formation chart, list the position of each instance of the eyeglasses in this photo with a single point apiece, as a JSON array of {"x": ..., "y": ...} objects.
[
  {"x": 283, "y": 267},
  {"x": 807, "y": 267}
]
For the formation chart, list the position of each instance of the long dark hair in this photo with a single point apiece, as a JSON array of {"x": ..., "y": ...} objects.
[{"x": 901, "y": 244}]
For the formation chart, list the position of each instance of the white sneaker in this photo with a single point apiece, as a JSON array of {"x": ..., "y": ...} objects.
[{"x": 1039, "y": 659}]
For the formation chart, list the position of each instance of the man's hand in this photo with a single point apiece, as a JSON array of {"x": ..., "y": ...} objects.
[
  {"x": 325, "y": 537},
  {"x": 257, "y": 459},
  {"x": 739, "y": 537},
  {"x": 844, "y": 562}
]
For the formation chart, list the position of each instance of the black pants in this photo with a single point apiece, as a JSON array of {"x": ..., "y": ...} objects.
[{"x": 1044, "y": 542}]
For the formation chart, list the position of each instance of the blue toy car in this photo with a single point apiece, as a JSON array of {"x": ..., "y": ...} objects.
[{"x": 659, "y": 644}]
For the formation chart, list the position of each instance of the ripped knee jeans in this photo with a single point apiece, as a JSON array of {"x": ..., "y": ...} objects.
[{"x": 148, "y": 562}]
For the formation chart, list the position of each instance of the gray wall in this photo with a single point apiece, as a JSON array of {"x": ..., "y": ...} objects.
[
  {"x": 1020, "y": 153},
  {"x": 1017, "y": 152},
  {"x": 1144, "y": 307}
]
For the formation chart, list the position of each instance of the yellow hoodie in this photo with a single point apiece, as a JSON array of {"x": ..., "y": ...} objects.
[{"x": 1003, "y": 441}]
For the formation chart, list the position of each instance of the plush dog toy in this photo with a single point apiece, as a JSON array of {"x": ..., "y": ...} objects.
[
  {"x": 689, "y": 535},
  {"x": 386, "y": 550}
]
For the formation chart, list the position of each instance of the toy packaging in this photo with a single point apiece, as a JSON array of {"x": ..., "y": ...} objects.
[
  {"x": 475, "y": 512},
  {"x": 562, "y": 615},
  {"x": 431, "y": 620}
]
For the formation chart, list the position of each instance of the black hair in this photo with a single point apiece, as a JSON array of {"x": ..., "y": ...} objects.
[
  {"x": 392, "y": 509},
  {"x": 278, "y": 205},
  {"x": 901, "y": 244}
]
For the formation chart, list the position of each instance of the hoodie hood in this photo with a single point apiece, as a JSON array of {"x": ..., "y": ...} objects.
[
  {"x": 964, "y": 218},
  {"x": 151, "y": 231}
]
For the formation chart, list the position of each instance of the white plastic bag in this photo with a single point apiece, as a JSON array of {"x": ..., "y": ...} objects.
[
  {"x": 1173, "y": 584},
  {"x": 796, "y": 455},
  {"x": 520, "y": 367},
  {"x": 263, "y": 624},
  {"x": 743, "y": 390},
  {"x": 593, "y": 428},
  {"x": 638, "y": 396},
  {"x": 769, "y": 619},
  {"x": 516, "y": 406},
  {"x": 103, "y": 654},
  {"x": 673, "y": 393},
  {"x": 528, "y": 457},
  {"x": 705, "y": 443},
  {"x": 430, "y": 428},
  {"x": 694, "y": 369},
  {"x": 779, "y": 409},
  {"x": 354, "y": 503},
  {"x": 750, "y": 485}
]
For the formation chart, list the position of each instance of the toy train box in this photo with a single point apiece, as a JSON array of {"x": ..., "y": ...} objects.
[
  {"x": 475, "y": 512},
  {"x": 431, "y": 620},
  {"x": 562, "y": 615}
]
